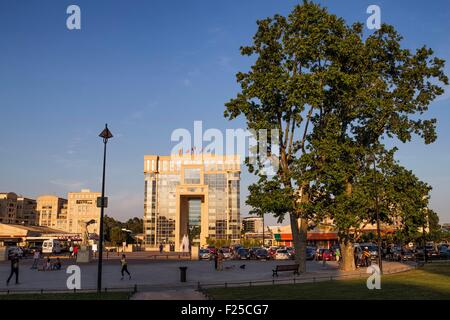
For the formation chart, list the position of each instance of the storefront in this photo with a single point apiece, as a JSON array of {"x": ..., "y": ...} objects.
[{"x": 315, "y": 239}]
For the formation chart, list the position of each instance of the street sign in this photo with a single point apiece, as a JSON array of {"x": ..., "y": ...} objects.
[{"x": 105, "y": 202}]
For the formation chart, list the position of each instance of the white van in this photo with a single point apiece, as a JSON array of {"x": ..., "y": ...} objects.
[{"x": 51, "y": 246}]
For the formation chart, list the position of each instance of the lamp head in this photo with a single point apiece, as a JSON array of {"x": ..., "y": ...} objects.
[{"x": 106, "y": 134}]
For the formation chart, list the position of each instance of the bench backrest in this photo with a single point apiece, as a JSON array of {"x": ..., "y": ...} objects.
[{"x": 287, "y": 267}]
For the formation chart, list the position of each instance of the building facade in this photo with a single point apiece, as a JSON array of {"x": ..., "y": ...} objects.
[
  {"x": 253, "y": 225},
  {"x": 8, "y": 207},
  {"x": 82, "y": 207},
  {"x": 196, "y": 195},
  {"x": 49, "y": 208},
  {"x": 27, "y": 212}
]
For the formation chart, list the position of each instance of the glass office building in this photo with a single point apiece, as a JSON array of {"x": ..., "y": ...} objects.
[{"x": 195, "y": 195}]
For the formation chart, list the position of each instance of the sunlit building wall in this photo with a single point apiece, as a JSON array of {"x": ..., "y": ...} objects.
[{"x": 194, "y": 195}]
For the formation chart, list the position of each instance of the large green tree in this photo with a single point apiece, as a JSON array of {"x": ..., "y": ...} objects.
[
  {"x": 378, "y": 91},
  {"x": 333, "y": 94},
  {"x": 283, "y": 90}
]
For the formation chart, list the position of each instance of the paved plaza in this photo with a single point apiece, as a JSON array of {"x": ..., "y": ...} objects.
[{"x": 163, "y": 276}]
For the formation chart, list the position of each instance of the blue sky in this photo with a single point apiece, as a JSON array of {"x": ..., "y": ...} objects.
[{"x": 147, "y": 68}]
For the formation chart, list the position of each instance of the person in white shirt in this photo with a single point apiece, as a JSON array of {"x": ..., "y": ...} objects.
[{"x": 36, "y": 257}]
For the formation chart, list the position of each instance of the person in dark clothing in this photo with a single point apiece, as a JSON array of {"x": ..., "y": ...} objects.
[
  {"x": 161, "y": 248},
  {"x": 57, "y": 265},
  {"x": 124, "y": 264},
  {"x": 14, "y": 269},
  {"x": 216, "y": 260},
  {"x": 355, "y": 256}
]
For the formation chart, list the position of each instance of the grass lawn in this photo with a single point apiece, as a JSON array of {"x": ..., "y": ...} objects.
[
  {"x": 66, "y": 296},
  {"x": 429, "y": 282}
]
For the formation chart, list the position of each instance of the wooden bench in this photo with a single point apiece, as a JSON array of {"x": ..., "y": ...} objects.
[{"x": 285, "y": 267}]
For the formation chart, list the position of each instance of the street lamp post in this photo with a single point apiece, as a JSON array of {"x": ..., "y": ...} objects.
[
  {"x": 377, "y": 211},
  {"x": 263, "y": 230},
  {"x": 105, "y": 135},
  {"x": 424, "y": 241}
]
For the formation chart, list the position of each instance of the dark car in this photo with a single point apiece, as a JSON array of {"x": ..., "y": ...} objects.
[
  {"x": 262, "y": 254},
  {"x": 373, "y": 250},
  {"x": 310, "y": 253},
  {"x": 432, "y": 253},
  {"x": 243, "y": 254},
  {"x": 408, "y": 255},
  {"x": 444, "y": 253}
]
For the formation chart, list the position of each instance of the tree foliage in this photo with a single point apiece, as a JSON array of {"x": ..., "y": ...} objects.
[{"x": 334, "y": 94}]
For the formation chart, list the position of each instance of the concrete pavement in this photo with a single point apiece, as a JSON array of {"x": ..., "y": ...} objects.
[{"x": 164, "y": 276}]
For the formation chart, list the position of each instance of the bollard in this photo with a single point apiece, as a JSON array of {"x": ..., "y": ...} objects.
[{"x": 183, "y": 274}]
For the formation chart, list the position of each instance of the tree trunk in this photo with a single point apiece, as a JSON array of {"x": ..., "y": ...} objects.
[
  {"x": 347, "y": 253},
  {"x": 347, "y": 250},
  {"x": 299, "y": 234}
]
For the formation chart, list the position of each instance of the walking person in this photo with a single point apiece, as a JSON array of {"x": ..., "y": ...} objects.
[
  {"x": 36, "y": 256},
  {"x": 124, "y": 265},
  {"x": 338, "y": 255},
  {"x": 14, "y": 269},
  {"x": 161, "y": 248},
  {"x": 216, "y": 262},
  {"x": 324, "y": 258},
  {"x": 48, "y": 265},
  {"x": 75, "y": 251},
  {"x": 71, "y": 251},
  {"x": 220, "y": 258},
  {"x": 57, "y": 265},
  {"x": 355, "y": 256},
  {"x": 366, "y": 256}
]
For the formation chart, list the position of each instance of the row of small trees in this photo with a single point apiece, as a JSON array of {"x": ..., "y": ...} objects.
[
  {"x": 246, "y": 243},
  {"x": 336, "y": 96},
  {"x": 114, "y": 233}
]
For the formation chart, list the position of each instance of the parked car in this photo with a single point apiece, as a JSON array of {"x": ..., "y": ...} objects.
[
  {"x": 282, "y": 254},
  {"x": 310, "y": 253},
  {"x": 326, "y": 255},
  {"x": 291, "y": 252},
  {"x": 444, "y": 253},
  {"x": 408, "y": 255},
  {"x": 226, "y": 252},
  {"x": 272, "y": 251},
  {"x": 33, "y": 249},
  {"x": 205, "y": 254},
  {"x": 15, "y": 251},
  {"x": 396, "y": 254},
  {"x": 432, "y": 252},
  {"x": 262, "y": 254},
  {"x": 243, "y": 254},
  {"x": 212, "y": 249}
]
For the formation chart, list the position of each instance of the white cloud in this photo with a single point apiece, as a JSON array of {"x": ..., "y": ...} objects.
[
  {"x": 68, "y": 185},
  {"x": 187, "y": 82}
]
